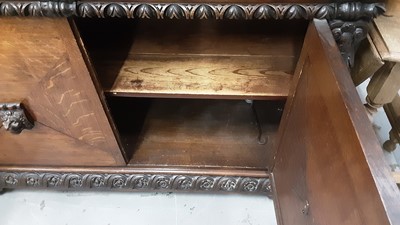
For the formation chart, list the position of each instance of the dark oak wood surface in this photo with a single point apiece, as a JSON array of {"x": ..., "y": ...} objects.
[
  {"x": 329, "y": 166},
  {"x": 43, "y": 68}
]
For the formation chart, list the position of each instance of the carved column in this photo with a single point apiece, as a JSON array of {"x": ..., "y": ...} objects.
[
  {"x": 348, "y": 36},
  {"x": 350, "y": 26}
]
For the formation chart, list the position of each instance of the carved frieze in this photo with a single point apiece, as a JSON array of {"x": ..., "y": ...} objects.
[
  {"x": 38, "y": 8},
  {"x": 344, "y": 11},
  {"x": 13, "y": 117},
  {"x": 138, "y": 182}
]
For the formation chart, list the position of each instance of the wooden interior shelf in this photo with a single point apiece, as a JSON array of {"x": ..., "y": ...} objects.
[
  {"x": 205, "y": 59},
  {"x": 203, "y": 76}
]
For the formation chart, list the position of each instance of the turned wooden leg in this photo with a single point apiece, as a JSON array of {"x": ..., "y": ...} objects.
[
  {"x": 392, "y": 111},
  {"x": 381, "y": 90},
  {"x": 390, "y": 145},
  {"x": 384, "y": 85}
]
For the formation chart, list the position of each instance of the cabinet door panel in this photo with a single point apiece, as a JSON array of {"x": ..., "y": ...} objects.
[
  {"x": 42, "y": 67},
  {"x": 329, "y": 166}
]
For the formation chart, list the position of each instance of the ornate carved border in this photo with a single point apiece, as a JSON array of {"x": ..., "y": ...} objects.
[
  {"x": 134, "y": 182},
  {"x": 343, "y": 11}
]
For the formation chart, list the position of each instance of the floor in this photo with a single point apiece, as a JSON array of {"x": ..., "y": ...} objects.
[{"x": 73, "y": 208}]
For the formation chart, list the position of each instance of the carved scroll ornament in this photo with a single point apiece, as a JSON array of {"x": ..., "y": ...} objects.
[
  {"x": 135, "y": 182},
  {"x": 13, "y": 117}
]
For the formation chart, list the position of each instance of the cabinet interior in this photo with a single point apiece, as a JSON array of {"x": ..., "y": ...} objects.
[
  {"x": 177, "y": 89},
  {"x": 196, "y": 132}
]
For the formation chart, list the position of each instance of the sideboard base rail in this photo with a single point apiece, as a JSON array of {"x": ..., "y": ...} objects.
[{"x": 131, "y": 179}]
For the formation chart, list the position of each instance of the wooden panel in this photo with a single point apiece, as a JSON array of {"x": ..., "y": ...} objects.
[
  {"x": 66, "y": 102},
  {"x": 23, "y": 63},
  {"x": 225, "y": 77},
  {"x": 329, "y": 166},
  {"x": 206, "y": 133},
  {"x": 62, "y": 96},
  {"x": 210, "y": 37},
  {"x": 367, "y": 62},
  {"x": 45, "y": 146}
]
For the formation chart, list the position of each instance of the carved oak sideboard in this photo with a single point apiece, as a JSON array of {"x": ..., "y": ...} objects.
[{"x": 249, "y": 97}]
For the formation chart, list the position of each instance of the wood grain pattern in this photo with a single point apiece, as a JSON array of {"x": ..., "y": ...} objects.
[
  {"x": 97, "y": 84},
  {"x": 330, "y": 169},
  {"x": 45, "y": 146},
  {"x": 100, "y": 119},
  {"x": 23, "y": 63},
  {"x": 204, "y": 133},
  {"x": 201, "y": 58},
  {"x": 208, "y": 76},
  {"x": 136, "y": 170},
  {"x": 62, "y": 97},
  {"x": 61, "y": 102}
]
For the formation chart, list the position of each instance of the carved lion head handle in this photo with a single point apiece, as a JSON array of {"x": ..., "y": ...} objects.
[{"x": 14, "y": 118}]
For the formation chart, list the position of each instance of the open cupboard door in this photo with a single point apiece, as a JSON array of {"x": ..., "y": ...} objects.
[
  {"x": 329, "y": 166},
  {"x": 43, "y": 68}
]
